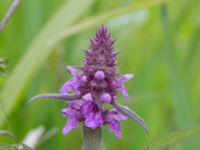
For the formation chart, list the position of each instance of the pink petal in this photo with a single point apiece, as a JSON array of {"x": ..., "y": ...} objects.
[
  {"x": 99, "y": 75},
  {"x": 66, "y": 87},
  {"x": 89, "y": 121},
  {"x": 94, "y": 120},
  {"x": 124, "y": 92},
  {"x": 68, "y": 112},
  {"x": 75, "y": 105},
  {"x": 125, "y": 77},
  {"x": 71, "y": 124},
  {"x": 83, "y": 80},
  {"x": 85, "y": 108},
  {"x": 71, "y": 84},
  {"x": 114, "y": 115},
  {"x": 87, "y": 97},
  {"x": 73, "y": 71},
  {"x": 114, "y": 126},
  {"x": 98, "y": 118},
  {"x": 75, "y": 84},
  {"x": 105, "y": 98},
  {"x": 119, "y": 117}
]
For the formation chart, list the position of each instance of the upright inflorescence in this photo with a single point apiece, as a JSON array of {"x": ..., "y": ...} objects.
[{"x": 95, "y": 84}]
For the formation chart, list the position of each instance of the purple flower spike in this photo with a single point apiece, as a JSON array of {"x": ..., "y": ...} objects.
[{"x": 96, "y": 83}]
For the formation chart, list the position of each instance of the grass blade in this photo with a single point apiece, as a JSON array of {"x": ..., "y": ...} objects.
[{"x": 181, "y": 93}]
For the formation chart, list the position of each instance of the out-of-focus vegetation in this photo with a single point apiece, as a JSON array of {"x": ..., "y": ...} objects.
[{"x": 158, "y": 41}]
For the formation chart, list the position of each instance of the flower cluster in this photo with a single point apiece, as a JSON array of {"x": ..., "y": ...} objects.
[{"x": 95, "y": 84}]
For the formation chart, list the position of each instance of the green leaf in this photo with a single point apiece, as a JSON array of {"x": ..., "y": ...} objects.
[
  {"x": 58, "y": 28},
  {"x": 172, "y": 138},
  {"x": 7, "y": 134},
  {"x": 55, "y": 96},
  {"x": 20, "y": 146}
]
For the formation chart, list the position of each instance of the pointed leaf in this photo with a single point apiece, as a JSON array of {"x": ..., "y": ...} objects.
[
  {"x": 65, "y": 97},
  {"x": 131, "y": 114}
]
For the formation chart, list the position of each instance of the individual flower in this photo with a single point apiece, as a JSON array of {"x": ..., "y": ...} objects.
[
  {"x": 95, "y": 84},
  {"x": 113, "y": 118}
]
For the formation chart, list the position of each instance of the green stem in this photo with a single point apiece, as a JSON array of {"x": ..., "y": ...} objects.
[{"x": 91, "y": 138}]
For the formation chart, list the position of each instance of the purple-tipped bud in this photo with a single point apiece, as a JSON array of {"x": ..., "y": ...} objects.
[
  {"x": 106, "y": 98},
  {"x": 87, "y": 97},
  {"x": 99, "y": 75},
  {"x": 84, "y": 79}
]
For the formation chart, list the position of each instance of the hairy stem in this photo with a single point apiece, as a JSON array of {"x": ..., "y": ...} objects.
[
  {"x": 65, "y": 97},
  {"x": 91, "y": 138}
]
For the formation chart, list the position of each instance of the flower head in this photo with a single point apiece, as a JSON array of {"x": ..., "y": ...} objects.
[
  {"x": 95, "y": 83},
  {"x": 98, "y": 83}
]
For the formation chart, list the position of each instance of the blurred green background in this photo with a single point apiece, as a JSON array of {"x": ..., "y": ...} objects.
[{"x": 158, "y": 41}]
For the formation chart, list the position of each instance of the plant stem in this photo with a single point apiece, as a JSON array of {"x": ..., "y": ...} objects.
[
  {"x": 9, "y": 14},
  {"x": 91, "y": 138}
]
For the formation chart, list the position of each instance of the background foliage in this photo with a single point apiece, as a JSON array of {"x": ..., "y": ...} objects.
[{"x": 158, "y": 41}]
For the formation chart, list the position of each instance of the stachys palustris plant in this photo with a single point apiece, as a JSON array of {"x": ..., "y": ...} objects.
[{"x": 95, "y": 84}]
